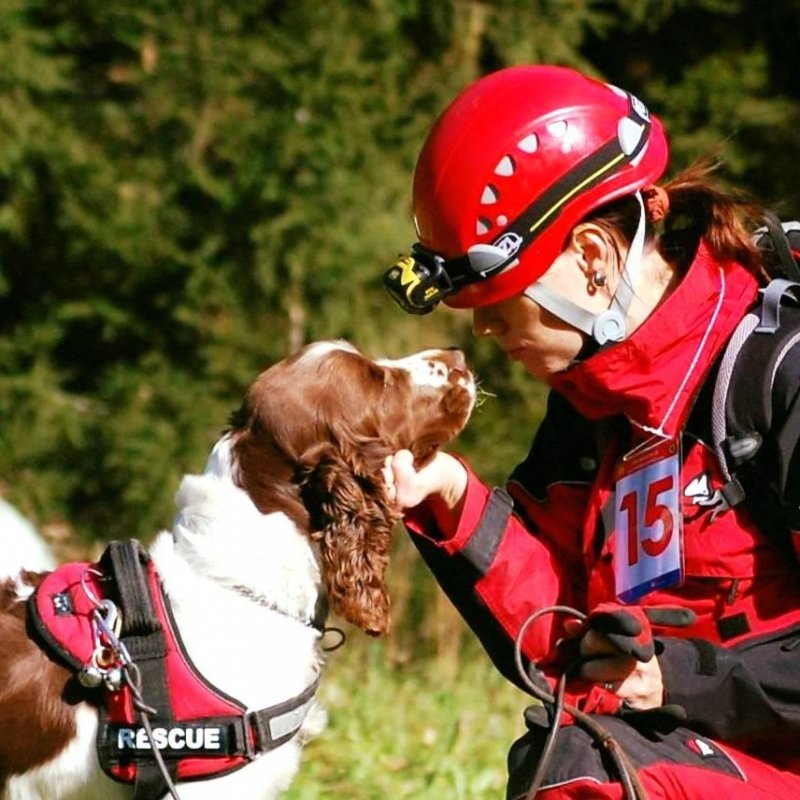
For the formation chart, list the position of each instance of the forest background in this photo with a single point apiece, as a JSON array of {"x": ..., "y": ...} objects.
[{"x": 189, "y": 190}]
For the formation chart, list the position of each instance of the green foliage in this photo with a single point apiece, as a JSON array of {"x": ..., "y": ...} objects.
[{"x": 431, "y": 735}]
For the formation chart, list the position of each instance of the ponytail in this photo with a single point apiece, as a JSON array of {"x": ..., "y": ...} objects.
[{"x": 700, "y": 207}]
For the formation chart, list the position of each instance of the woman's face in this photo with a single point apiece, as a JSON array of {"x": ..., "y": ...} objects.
[
  {"x": 542, "y": 342},
  {"x": 530, "y": 334}
]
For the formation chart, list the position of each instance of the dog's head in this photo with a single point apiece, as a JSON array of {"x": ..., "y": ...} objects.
[{"x": 311, "y": 439}]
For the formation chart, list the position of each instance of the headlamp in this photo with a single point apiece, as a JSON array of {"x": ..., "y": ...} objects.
[{"x": 418, "y": 282}]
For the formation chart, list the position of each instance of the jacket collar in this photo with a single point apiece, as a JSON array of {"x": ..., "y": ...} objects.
[{"x": 654, "y": 376}]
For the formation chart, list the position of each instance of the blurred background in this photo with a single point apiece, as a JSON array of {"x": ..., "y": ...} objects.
[{"x": 191, "y": 190}]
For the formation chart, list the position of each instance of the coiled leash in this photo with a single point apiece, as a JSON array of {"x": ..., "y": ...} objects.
[{"x": 629, "y": 777}]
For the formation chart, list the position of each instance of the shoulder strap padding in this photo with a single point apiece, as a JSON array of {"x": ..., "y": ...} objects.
[{"x": 744, "y": 399}]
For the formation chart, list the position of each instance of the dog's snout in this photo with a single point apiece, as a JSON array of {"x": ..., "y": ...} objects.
[
  {"x": 456, "y": 359},
  {"x": 436, "y": 368}
]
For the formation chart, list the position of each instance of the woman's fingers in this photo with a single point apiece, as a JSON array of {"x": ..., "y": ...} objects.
[
  {"x": 638, "y": 683},
  {"x": 596, "y": 644},
  {"x": 608, "y": 668}
]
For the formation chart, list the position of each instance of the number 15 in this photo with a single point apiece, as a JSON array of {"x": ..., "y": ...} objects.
[{"x": 654, "y": 512}]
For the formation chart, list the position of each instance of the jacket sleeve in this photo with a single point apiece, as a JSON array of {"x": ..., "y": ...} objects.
[
  {"x": 749, "y": 693},
  {"x": 512, "y": 551}
]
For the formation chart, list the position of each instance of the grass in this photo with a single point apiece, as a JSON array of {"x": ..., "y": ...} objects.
[{"x": 426, "y": 730}]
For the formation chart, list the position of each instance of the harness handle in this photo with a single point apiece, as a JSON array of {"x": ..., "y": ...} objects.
[{"x": 123, "y": 560}]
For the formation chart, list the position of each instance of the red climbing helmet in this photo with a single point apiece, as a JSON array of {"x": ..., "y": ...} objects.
[{"x": 508, "y": 170}]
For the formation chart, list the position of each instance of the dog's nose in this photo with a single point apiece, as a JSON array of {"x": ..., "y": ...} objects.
[{"x": 456, "y": 359}]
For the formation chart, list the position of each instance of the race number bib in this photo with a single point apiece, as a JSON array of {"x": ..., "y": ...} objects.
[{"x": 648, "y": 521}]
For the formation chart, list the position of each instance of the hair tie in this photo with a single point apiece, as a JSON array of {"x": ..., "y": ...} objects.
[{"x": 656, "y": 201}]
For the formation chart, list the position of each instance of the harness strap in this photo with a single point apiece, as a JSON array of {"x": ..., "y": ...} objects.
[
  {"x": 251, "y": 734},
  {"x": 163, "y": 701},
  {"x": 123, "y": 561},
  {"x": 143, "y": 635},
  {"x": 277, "y": 724}
]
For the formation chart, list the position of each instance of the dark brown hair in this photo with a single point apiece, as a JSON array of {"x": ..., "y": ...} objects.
[
  {"x": 700, "y": 207},
  {"x": 703, "y": 207}
]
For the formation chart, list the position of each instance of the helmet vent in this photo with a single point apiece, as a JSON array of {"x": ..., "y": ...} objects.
[
  {"x": 490, "y": 195},
  {"x": 505, "y": 167},
  {"x": 530, "y": 144},
  {"x": 558, "y": 129},
  {"x": 484, "y": 226}
]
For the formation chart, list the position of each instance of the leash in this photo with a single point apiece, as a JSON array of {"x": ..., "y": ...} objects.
[
  {"x": 626, "y": 770},
  {"x": 134, "y": 680},
  {"x": 110, "y": 650}
]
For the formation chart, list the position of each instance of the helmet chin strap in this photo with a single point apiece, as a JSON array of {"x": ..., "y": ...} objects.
[{"x": 608, "y": 325}]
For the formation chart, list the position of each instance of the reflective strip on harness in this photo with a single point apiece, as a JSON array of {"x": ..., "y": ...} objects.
[
  {"x": 288, "y": 723},
  {"x": 126, "y": 742}
]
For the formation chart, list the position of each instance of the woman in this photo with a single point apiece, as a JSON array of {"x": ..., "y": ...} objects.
[{"x": 536, "y": 206}]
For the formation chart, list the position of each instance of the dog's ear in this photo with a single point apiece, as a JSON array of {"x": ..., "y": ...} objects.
[{"x": 352, "y": 521}]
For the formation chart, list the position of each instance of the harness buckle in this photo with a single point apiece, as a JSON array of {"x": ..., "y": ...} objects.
[{"x": 254, "y": 735}]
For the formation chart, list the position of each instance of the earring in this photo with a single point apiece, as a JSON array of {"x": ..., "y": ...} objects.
[{"x": 596, "y": 279}]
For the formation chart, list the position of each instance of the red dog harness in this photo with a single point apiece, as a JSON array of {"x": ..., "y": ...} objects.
[{"x": 111, "y": 622}]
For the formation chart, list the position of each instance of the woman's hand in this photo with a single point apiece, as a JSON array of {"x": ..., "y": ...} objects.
[
  {"x": 638, "y": 683},
  {"x": 444, "y": 478}
]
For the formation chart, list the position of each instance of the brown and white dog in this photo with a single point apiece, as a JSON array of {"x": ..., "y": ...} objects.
[{"x": 291, "y": 508}]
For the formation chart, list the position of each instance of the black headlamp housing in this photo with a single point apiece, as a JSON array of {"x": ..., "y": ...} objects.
[{"x": 419, "y": 281}]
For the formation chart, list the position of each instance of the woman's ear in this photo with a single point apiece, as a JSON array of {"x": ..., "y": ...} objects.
[
  {"x": 593, "y": 247},
  {"x": 595, "y": 253}
]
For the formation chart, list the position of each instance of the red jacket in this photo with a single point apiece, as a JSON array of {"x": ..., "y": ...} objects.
[{"x": 559, "y": 543}]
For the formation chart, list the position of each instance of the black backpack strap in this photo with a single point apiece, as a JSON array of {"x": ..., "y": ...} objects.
[
  {"x": 747, "y": 438},
  {"x": 752, "y": 419},
  {"x": 779, "y": 242}
]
